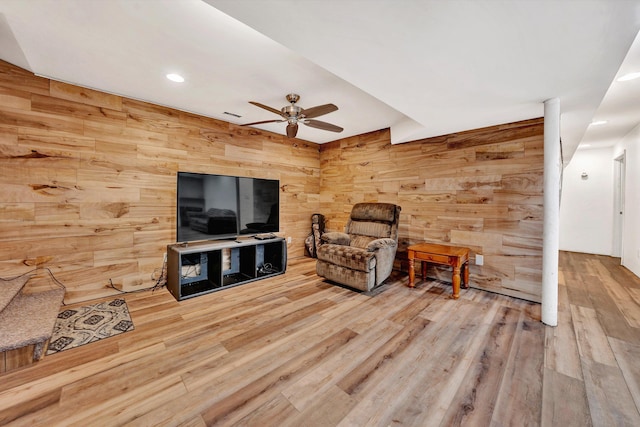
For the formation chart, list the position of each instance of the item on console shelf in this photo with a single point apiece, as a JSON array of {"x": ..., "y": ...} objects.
[
  {"x": 191, "y": 270},
  {"x": 265, "y": 236}
]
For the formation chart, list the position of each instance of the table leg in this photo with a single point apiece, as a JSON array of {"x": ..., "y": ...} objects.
[
  {"x": 412, "y": 273},
  {"x": 456, "y": 282},
  {"x": 424, "y": 270}
]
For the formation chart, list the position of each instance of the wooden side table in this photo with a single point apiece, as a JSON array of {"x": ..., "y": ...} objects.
[{"x": 455, "y": 256}]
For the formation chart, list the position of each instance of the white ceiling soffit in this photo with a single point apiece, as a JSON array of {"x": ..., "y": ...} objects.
[
  {"x": 619, "y": 111},
  {"x": 456, "y": 65},
  {"x": 127, "y": 47},
  {"x": 423, "y": 68}
]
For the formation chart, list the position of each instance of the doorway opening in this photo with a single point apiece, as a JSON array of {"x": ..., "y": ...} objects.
[{"x": 618, "y": 205}]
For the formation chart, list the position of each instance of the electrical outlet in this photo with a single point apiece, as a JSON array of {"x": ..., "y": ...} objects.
[
  {"x": 479, "y": 259},
  {"x": 289, "y": 239}
]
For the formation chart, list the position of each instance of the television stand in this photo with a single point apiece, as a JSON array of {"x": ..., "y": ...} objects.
[{"x": 204, "y": 267}]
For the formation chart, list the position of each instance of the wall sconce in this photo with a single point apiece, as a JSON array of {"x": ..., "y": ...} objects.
[{"x": 584, "y": 176}]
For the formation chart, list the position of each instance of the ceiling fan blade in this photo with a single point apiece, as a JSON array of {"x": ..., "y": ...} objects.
[
  {"x": 292, "y": 130},
  {"x": 323, "y": 125},
  {"x": 262, "y": 122},
  {"x": 266, "y": 107},
  {"x": 318, "y": 111}
]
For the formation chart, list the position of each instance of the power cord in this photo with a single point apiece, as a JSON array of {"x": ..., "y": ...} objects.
[
  {"x": 162, "y": 279},
  {"x": 35, "y": 270},
  {"x": 160, "y": 282}
]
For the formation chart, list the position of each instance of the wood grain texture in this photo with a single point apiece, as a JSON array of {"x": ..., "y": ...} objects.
[
  {"x": 564, "y": 401},
  {"x": 94, "y": 173},
  {"x": 596, "y": 310},
  {"x": 86, "y": 172},
  {"x": 480, "y": 189},
  {"x": 13, "y": 359},
  {"x": 295, "y": 350}
]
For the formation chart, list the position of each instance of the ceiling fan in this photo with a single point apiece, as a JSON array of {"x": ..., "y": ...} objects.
[{"x": 292, "y": 114}]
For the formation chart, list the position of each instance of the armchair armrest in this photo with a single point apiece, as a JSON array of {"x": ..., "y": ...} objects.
[
  {"x": 336, "y": 238},
  {"x": 374, "y": 245}
]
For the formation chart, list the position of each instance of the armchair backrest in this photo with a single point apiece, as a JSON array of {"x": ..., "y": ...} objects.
[{"x": 369, "y": 221}]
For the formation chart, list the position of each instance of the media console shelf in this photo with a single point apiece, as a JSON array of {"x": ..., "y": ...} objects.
[{"x": 195, "y": 269}]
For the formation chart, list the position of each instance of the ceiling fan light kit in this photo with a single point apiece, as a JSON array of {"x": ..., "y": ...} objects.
[{"x": 293, "y": 114}]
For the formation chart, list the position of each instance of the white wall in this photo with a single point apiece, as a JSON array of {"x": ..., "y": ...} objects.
[
  {"x": 586, "y": 209},
  {"x": 631, "y": 226}
]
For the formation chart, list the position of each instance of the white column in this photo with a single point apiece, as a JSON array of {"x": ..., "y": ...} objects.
[{"x": 551, "y": 224}]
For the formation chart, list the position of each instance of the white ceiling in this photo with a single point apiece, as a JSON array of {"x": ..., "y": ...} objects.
[{"x": 422, "y": 68}]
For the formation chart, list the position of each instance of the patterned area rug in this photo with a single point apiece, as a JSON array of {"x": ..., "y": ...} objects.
[{"x": 76, "y": 327}]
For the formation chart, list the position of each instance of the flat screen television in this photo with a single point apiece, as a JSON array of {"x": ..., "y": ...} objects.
[{"x": 224, "y": 207}]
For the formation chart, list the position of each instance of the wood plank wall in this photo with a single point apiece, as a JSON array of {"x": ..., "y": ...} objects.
[
  {"x": 88, "y": 180},
  {"x": 481, "y": 189},
  {"x": 88, "y": 185}
]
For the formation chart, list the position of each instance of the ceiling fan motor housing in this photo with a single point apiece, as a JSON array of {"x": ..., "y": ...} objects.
[{"x": 292, "y": 112}]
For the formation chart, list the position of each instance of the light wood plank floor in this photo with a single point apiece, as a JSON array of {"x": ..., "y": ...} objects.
[{"x": 296, "y": 351}]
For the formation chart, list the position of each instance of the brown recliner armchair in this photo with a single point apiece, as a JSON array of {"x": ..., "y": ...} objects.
[{"x": 361, "y": 257}]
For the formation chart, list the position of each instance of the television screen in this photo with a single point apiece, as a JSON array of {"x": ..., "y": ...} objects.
[
  {"x": 259, "y": 205},
  {"x": 220, "y": 206}
]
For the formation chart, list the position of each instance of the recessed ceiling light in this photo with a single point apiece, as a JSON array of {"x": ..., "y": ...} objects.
[
  {"x": 175, "y": 78},
  {"x": 629, "y": 76},
  {"x": 598, "y": 123}
]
